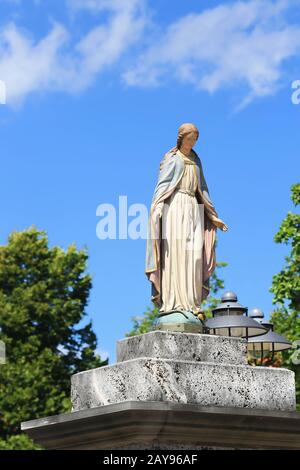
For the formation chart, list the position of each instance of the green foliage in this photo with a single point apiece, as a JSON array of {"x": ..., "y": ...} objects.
[
  {"x": 286, "y": 289},
  {"x": 43, "y": 295},
  {"x": 18, "y": 442},
  {"x": 144, "y": 323},
  {"x": 216, "y": 284}
]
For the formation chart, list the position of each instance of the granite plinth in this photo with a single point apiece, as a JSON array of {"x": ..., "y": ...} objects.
[
  {"x": 172, "y": 390},
  {"x": 183, "y": 346},
  {"x": 208, "y": 384},
  {"x": 184, "y": 381},
  {"x": 167, "y": 425}
]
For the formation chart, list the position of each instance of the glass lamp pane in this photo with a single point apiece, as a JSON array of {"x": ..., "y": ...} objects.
[{"x": 238, "y": 332}]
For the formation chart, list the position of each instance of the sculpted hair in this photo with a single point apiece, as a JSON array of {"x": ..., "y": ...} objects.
[{"x": 183, "y": 131}]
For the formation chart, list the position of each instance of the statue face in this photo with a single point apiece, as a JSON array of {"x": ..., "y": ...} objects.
[{"x": 190, "y": 139}]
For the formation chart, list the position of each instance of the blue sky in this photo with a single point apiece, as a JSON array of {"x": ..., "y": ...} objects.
[{"x": 96, "y": 91}]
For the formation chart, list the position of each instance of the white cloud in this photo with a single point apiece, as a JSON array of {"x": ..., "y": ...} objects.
[
  {"x": 104, "y": 45},
  {"x": 25, "y": 66},
  {"x": 99, "y": 5},
  {"x": 238, "y": 43},
  {"x": 55, "y": 63}
]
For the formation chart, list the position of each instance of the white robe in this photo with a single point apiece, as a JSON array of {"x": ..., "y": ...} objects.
[{"x": 182, "y": 249}]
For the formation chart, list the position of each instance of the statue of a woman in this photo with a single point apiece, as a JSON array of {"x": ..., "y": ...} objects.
[{"x": 180, "y": 253}]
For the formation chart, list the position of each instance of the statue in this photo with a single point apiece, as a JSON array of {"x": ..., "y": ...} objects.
[{"x": 180, "y": 252}]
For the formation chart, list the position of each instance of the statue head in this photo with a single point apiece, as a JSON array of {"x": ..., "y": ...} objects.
[{"x": 187, "y": 135}]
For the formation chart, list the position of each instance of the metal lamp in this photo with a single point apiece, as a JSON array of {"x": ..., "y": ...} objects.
[
  {"x": 263, "y": 347},
  {"x": 229, "y": 319}
]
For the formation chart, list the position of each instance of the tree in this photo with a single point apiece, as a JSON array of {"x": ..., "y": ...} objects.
[
  {"x": 145, "y": 323},
  {"x": 216, "y": 284},
  {"x": 43, "y": 295},
  {"x": 286, "y": 290}
]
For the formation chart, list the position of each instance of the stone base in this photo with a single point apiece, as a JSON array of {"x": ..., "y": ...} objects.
[
  {"x": 183, "y": 347},
  {"x": 185, "y": 368},
  {"x": 176, "y": 391},
  {"x": 166, "y": 425},
  {"x": 208, "y": 384},
  {"x": 179, "y": 321}
]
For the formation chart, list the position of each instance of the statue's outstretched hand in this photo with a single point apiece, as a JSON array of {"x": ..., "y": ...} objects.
[
  {"x": 225, "y": 227},
  {"x": 220, "y": 224}
]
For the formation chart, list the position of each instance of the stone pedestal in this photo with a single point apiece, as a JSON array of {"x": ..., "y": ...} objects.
[
  {"x": 184, "y": 368},
  {"x": 171, "y": 390}
]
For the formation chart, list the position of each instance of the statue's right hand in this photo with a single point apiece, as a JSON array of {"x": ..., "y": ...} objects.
[{"x": 159, "y": 209}]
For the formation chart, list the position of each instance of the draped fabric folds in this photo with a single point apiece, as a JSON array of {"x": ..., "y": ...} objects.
[{"x": 180, "y": 251}]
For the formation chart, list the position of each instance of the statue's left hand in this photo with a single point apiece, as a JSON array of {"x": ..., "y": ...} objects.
[
  {"x": 224, "y": 227},
  {"x": 220, "y": 224}
]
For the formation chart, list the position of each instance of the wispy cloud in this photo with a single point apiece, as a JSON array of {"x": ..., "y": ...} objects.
[
  {"x": 56, "y": 63},
  {"x": 241, "y": 43},
  {"x": 99, "y": 5},
  {"x": 26, "y": 66}
]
